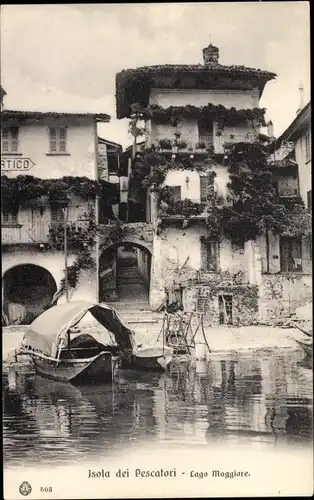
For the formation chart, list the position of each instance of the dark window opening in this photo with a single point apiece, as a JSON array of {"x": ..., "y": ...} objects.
[
  {"x": 204, "y": 187},
  {"x": 290, "y": 254},
  {"x": 309, "y": 199},
  {"x": 209, "y": 256},
  {"x": 225, "y": 309},
  {"x": 175, "y": 193},
  {"x": 205, "y": 134}
]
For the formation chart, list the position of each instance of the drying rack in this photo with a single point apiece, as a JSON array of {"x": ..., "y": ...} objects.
[{"x": 179, "y": 331}]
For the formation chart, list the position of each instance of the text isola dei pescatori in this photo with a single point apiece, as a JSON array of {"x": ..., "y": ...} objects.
[{"x": 164, "y": 473}]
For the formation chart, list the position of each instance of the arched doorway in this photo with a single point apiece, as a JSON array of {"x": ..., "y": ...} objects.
[
  {"x": 124, "y": 273},
  {"x": 27, "y": 291}
]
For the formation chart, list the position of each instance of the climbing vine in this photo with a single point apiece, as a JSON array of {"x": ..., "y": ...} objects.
[
  {"x": 26, "y": 189},
  {"x": 80, "y": 239}
]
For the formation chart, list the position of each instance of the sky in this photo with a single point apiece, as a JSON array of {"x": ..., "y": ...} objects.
[{"x": 65, "y": 57}]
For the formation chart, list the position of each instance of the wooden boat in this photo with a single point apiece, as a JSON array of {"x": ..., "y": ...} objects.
[
  {"x": 83, "y": 359},
  {"x": 153, "y": 358},
  {"x": 305, "y": 343}
]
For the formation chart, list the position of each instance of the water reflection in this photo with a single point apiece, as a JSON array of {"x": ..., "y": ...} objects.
[{"x": 235, "y": 398}]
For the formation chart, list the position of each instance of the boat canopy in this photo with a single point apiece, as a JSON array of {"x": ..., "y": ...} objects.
[{"x": 45, "y": 333}]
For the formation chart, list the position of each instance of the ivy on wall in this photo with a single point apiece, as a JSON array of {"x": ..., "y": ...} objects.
[
  {"x": 25, "y": 189},
  {"x": 253, "y": 205}
]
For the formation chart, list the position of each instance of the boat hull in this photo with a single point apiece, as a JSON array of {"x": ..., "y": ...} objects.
[
  {"x": 97, "y": 369},
  {"x": 306, "y": 345},
  {"x": 148, "y": 359}
]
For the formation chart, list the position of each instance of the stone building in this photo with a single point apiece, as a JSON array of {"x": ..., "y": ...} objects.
[
  {"x": 42, "y": 155},
  {"x": 183, "y": 112}
]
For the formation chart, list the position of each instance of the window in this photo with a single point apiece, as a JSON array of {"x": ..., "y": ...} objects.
[
  {"x": 204, "y": 187},
  {"x": 290, "y": 254},
  {"x": 9, "y": 218},
  {"x": 57, "y": 213},
  {"x": 205, "y": 134},
  {"x": 309, "y": 199},
  {"x": 225, "y": 309},
  {"x": 209, "y": 255},
  {"x": 9, "y": 139},
  {"x": 288, "y": 186},
  {"x": 58, "y": 140},
  {"x": 307, "y": 147},
  {"x": 175, "y": 193}
]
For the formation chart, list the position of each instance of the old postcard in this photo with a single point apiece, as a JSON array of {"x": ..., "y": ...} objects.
[{"x": 156, "y": 220}]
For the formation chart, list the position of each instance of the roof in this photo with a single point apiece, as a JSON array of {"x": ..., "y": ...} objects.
[
  {"x": 131, "y": 83},
  {"x": 52, "y": 325},
  {"x": 301, "y": 121},
  {"x": 8, "y": 113},
  {"x": 110, "y": 143}
]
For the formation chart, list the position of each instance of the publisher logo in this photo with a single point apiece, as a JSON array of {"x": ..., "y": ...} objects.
[{"x": 25, "y": 488}]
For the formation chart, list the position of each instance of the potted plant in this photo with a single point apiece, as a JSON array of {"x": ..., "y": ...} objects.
[
  {"x": 181, "y": 144},
  {"x": 165, "y": 144}
]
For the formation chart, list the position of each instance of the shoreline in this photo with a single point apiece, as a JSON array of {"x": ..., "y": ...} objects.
[{"x": 220, "y": 340}]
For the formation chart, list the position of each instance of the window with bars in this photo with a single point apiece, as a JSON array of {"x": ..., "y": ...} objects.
[
  {"x": 307, "y": 147},
  {"x": 209, "y": 255},
  {"x": 58, "y": 139},
  {"x": 57, "y": 213},
  {"x": 290, "y": 254},
  {"x": 9, "y": 218},
  {"x": 9, "y": 139}
]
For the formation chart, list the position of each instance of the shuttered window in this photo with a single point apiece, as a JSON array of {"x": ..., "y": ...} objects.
[
  {"x": 8, "y": 218},
  {"x": 58, "y": 139},
  {"x": 307, "y": 147},
  {"x": 209, "y": 255},
  {"x": 9, "y": 139},
  {"x": 57, "y": 214},
  {"x": 204, "y": 187}
]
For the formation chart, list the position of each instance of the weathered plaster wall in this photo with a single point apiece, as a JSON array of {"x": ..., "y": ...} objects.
[
  {"x": 81, "y": 159},
  {"x": 191, "y": 189},
  {"x": 280, "y": 295},
  {"x": 143, "y": 263},
  {"x": 54, "y": 263},
  {"x": 305, "y": 170},
  {"x": 244, "y": 298}
]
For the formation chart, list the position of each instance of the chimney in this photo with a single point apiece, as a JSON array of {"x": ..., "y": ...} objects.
[
  {"x": 301, "y": 103},
  {"x": 210, "y": 55},
  {"x": 270, "y": 129}
]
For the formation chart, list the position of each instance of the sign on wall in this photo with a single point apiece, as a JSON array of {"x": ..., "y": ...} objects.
[{"x": 16, "y": 164}]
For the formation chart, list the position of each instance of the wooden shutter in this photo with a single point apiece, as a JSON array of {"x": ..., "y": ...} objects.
[
  {"x": 53, "y": 140},
  {"x": 284, "y": 255},
  {"x": 204, "y": 187},
  {"x": 14, "y": 139},
  {"x": 5, "y": 139},
  {"x": 62, "y": 140},
  {"x": 57, "y": 214},
  {"x": 309, "y": 199}
]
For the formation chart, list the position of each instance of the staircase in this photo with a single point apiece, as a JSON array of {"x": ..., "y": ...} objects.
[{"x": 134, "y": 305}]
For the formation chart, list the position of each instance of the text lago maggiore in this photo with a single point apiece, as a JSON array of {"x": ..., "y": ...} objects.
[{"x": 163, "y": 473}]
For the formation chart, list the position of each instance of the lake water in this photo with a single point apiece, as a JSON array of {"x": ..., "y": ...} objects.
[{"x": 260, "y": 399}]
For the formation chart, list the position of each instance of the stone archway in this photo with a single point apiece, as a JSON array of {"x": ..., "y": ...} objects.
[
  {"x": 125, "y": 272},
  {"x": 27, "y": 291}
]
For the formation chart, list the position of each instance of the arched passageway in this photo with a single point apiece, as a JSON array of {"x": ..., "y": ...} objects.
[
  {"x": 27, "y": 291},
  {"x": 124, "y": 273}
]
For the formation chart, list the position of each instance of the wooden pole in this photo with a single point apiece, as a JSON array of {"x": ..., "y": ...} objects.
[{"x": 66, "y": 283}]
